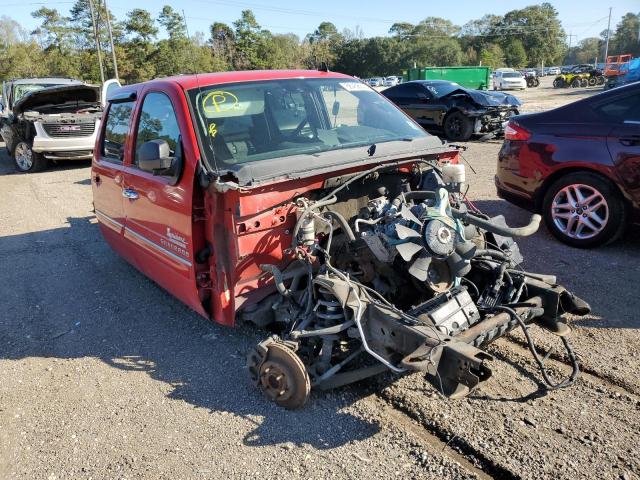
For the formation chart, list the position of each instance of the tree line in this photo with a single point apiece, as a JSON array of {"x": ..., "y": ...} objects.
[{"x": 148, "y": 46}]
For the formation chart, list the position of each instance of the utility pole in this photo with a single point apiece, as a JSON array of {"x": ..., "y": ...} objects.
[
  {"x": 606, "y": 48},
  {"x": 571, "y": 35},
  {"x": 113, "y": 50},
  {"x": 95, "y": 35}
]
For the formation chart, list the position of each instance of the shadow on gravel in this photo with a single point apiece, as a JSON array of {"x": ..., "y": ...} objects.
[
  {"x": 71, "y": 297},
  {"x": 607, "y": 277},
  {"x": 525, "y": 372}
]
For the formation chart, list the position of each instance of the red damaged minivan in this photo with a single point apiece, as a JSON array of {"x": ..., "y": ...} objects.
[{"x": 306, "y": 202}]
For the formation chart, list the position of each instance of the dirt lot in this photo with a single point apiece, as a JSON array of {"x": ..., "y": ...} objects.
[{"x": 104, "y": 375}]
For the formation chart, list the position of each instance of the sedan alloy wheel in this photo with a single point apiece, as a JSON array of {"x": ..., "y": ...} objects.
[{"x": 580, "y": 211}]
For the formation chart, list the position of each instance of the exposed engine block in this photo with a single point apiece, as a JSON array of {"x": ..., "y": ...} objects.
[{"x": 413, "y": 278}]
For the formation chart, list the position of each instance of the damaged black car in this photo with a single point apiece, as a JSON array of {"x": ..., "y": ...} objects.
[{"x": 459, "y": 113}]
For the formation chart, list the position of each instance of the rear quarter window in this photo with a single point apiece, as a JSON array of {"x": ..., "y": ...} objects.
[
  {"x": 620, "y": 110},
  {"x": 116, "y": 130}
]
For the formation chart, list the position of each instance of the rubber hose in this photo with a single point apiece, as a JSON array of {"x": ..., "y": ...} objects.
[
  {"x": 413, "y": 195},
  {"x": 342, "y": 222},
  {"x": 525, "y": 231},
  {"x": 493, "y": 254},
  {"x": 277, "y": 276}
]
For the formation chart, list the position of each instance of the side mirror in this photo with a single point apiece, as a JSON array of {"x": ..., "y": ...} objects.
[{"x": 155, "y": 156}]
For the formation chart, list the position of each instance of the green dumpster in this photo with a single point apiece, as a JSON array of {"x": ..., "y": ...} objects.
[{"x": 470, "y": 77}]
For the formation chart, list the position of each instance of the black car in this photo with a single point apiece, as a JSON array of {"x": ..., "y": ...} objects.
[{"x": 456, "y": 111}]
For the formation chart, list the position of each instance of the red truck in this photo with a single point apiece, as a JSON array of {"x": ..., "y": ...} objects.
[{"x": 306, "y": 203}]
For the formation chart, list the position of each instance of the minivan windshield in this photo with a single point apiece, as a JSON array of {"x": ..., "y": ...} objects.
[
  {"x": 252, "y": 121},
  {"x": 512, "y": 75}
]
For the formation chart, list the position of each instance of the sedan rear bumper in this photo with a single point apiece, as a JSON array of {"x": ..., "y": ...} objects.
[{"x": 514, "y": 196}]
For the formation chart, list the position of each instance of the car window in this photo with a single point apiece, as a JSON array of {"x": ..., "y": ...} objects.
[
  {"x": 396, "y": 92},
  {"x": 23, "y": 89},
  {"x": 407, "y": 90},
  {"x": 116, "y": 130},
  {"x": 342, "y": 106},
  {"x": 157, "y": 122},
  {"x": 253, "y": 121},
  {"x": 620, "y": 109},
  {"x": 288, "y": 109},
  {"x": 441, "y": 89}
]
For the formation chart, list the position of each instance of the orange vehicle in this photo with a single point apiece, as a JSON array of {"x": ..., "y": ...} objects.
[{"x": 614, "y": 63}]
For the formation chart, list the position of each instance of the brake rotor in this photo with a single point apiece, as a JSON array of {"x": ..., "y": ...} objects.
[{"x": 283, "y": 378}]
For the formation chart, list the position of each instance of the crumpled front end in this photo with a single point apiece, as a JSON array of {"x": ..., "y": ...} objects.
[
  {"x": 494, "y": 120},
  {"x": 394, "y": 271}
]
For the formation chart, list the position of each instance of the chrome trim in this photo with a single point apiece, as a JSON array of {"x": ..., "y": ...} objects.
[
  {"x": 109, "y": 219},
  {"x": 158, "y": 247},
  {"x": 632, "y": 122},
  {"x": 130, "y": 193}
]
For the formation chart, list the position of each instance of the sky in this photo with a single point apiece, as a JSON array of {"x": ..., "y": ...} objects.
[{"x": 373, "y": 17}]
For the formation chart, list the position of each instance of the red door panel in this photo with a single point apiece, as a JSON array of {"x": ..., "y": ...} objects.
[
  {"x": 107, "y": 173},
  {"x": 159, "y": 218},
  {"x": 106, "y": 181}
]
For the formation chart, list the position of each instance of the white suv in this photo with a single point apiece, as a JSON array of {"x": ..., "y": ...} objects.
[
  {"x": 509, "y": 80},
  {"x": 45, "y": 119}
]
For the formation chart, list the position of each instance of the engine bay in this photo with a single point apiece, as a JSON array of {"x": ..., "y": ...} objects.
[{"x": 397, "y": 270}]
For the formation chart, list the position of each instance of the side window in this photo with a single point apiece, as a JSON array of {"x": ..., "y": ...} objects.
[
  {"x": 416, "y": 90},
  {"x": 397, "y": 92},
  {"x": 116, "y": 130},
  {"x": 620, "y": 109},
  {"x": 157, "y": 122}
]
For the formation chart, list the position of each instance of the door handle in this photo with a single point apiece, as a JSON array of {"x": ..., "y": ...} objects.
[{"x": 130, "y": 193}]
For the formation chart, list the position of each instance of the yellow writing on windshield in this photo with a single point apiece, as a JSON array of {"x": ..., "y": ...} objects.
[
  {"x": 213, "y": 130},
  {"x": 219, "y": 101}
]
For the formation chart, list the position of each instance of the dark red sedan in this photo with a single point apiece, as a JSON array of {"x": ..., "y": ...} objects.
[{"x": 577, "y": 165}]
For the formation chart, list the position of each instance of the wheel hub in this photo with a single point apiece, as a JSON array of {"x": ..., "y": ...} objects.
[{"x": 281, "y": 375}]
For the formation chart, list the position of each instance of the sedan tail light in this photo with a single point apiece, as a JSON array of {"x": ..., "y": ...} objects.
[{"x": 513, "y": 131}]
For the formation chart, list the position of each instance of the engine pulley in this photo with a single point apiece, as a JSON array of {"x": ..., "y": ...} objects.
[{"x": 439, "y": 239}]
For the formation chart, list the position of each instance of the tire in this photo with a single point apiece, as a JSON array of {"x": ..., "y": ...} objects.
[
  {"x": 26, "y": 160},
  {"x": 457, "y": 127},
  {"x": 592, "y": 228},
  {"x": 558, "y": 83},
  {"x": 575, "y": 83},
  {"x": 537, "y": 82},
  {"x": 584, "y": 82},
  {"x": 600, "y": 80},
  {"x": 592, "y": 81}
]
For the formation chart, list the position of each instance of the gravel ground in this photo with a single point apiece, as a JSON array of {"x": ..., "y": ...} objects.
[{"x": 104, "y": 375}]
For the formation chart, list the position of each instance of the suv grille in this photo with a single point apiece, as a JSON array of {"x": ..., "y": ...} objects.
[{"x": 64, "y": 130}]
